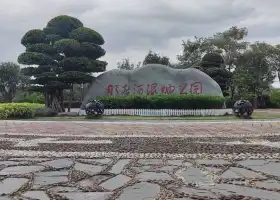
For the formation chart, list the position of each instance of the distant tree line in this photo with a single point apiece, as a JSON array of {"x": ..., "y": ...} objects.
[{"x": 243, "y": 70}]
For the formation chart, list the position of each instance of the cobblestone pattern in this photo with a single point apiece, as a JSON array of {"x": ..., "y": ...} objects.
[
  {"x": 124, "y": 175},
  {"x": 126, "y": 179}
]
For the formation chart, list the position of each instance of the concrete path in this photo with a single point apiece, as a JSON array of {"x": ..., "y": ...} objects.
[{"x": 139, "y": 160}]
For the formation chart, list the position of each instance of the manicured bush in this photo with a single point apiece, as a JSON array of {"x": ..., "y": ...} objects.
[
  {"x": 18, "y": 110},
  {"x": 162, "y": 101}
]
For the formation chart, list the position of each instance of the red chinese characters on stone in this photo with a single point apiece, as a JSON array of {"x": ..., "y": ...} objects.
[
  {"x": 196, "y": 88},
  {"x": 112, "y": 90},
  {"x": 152, "y": 89},
  {"x": 125, "y": 90},
  {"x": 183, "y": 89},
  {"x": 138, "y": 89},
  {"x": 168, "y": 89}
]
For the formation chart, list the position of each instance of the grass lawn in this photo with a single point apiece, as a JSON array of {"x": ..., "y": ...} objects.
[{"x": 255, "y": 116}]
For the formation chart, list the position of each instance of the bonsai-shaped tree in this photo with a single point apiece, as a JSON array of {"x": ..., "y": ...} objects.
[
  {"x": 65, "y": 53},
  {"x": 212, "y": 64}
]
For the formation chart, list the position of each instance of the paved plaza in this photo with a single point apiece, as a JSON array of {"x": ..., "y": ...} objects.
[{"x": 139, "y": 160}]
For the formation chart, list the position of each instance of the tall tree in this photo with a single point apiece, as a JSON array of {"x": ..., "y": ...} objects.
[
  {"x": 193, "y": 50},
  {"x": 257, "y": 63},
  {"x": 231, "y": 43},
  {"x": 65, "y": 53},
  {"x": 155, "y": 58},
  {"x": 9, "y": 79},
  {"x": 127, "y": 65}
]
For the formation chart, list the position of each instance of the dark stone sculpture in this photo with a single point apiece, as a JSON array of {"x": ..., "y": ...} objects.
[
  {"x": 94, "y": 108},
  {"x": 243, "y": 108}
]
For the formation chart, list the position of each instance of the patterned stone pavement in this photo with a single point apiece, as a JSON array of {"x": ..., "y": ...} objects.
[
  {"x": 125, "y": 179},
  {"x": 161, "y": 128},
  {"x": 139, "y": 160}
]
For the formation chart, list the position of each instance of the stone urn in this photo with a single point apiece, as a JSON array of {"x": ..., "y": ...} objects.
[
  {"x": 94, "y": 108},
  {"x": 243, "y": 108}
]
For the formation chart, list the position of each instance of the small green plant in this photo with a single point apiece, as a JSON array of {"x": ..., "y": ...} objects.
[
  {"x": 18, "y": 110},
  {"x": 163, "y": 101}
]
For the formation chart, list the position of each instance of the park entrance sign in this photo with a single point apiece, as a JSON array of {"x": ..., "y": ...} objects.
[{"x": 152, "y": 79}]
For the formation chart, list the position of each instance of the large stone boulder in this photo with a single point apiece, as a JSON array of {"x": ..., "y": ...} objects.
[{"x": 152, "y": 79}]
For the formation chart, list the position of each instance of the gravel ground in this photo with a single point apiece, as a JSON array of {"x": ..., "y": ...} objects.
[{"x": 150, "y": 145}]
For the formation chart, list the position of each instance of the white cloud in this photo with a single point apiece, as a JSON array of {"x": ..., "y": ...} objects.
[{"x": 132, "y": 28}]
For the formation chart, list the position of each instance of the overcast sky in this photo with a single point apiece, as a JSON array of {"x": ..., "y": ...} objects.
[{"x": 133, "y": 27}]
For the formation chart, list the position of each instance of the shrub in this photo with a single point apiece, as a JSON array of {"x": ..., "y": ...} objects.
[
  {"x": 162, "y": 101},
  {"x": 275, "y": 98},
  {"x": 18, "y": 110},
  {"x": 29, "y": 97}
]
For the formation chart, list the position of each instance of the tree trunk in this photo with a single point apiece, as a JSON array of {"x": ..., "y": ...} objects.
[
  {"x": 55, "y": 104},
  {"x": 9, "y": 95},
  {"x": 61, "y": 98},
  {"x": 71, "y": 98},
  {"x": 62, "y": 101},
  {"x": 255, "y": 102},
  {"x": 46, "y": 97}
]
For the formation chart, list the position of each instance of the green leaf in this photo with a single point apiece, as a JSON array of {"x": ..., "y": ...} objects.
[
  {"x": 32, "y": 58},
  {"x": 82, "y": 64},
  {"x": 76, "y": 77},
  {"x": 63, "y": 25},
  {"x": 41, "y": 48},
  {"x": 33, "y": 36},
  {"x": 92, "y": 50},
  {"x": 69, "y": 47},
  {"x": 84, "y": 34}
]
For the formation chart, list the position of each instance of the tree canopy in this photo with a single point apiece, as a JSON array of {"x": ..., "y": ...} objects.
[
  {"x": 127, "y": 64},
  {"x": 155, "y": 58},
  {"x": 64, "y": 53},
  {"x": 9, "y": 79}
]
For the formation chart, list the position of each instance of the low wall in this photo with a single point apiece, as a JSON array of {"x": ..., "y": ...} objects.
[{"x": 164, "y": 112}]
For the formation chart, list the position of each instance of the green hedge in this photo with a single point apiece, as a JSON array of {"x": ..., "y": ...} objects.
[
  {"x": 162, "y": 101},
  {"x": 275, "y": 98},
  {"x": 18, "y": 110}
]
